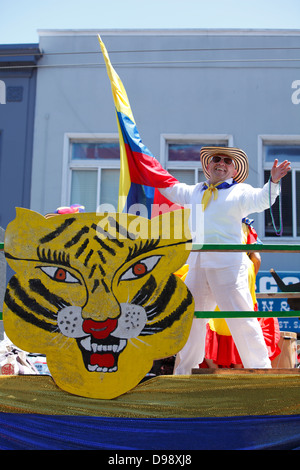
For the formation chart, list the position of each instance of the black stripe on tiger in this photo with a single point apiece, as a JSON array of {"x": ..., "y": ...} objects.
[
  {"x": 88, "y": 257},
  {"x": 105, "y": 246},
  {"x": 120, "y": 229},
  {"x": 104, "y": 285},
  {"x": 142, "y": 248},
  {"x": 168, "y": 321},
  {"x": 92, "y": 271},
  {"x": 82, "y": 248},
  {"x": 77, "y": 237},
  {"x": 164, "y": 298},
  {"x": 29, "y": 302},
  {"x": 27, "y": 316},
  {"x": 145, "y": 293},
  {"x": 46, "y": 255},
  {"x": 58, "y": 231},
  {"x": 102, "y": 271},
  {"x": 96, "y": 284},
  {"x": 108, "y": 235},
  {"x": 38, "y": 287}
]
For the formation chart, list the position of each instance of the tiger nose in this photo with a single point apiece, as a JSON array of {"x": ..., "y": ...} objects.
[{"x": 101, "y": 305}]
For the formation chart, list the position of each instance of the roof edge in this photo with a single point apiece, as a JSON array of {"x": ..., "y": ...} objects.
[{"x": 169, "y": 32}]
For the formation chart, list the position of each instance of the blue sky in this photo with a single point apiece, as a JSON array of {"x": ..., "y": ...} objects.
[{"x": 20, "y": 19}]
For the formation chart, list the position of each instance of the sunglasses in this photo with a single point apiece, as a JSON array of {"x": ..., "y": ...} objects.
[{"x": 217, "y": 159}]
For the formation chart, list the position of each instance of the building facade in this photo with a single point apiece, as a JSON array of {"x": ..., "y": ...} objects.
[
  {"x": 186, "y": 89},
  {"x": 18, "y": 71}
]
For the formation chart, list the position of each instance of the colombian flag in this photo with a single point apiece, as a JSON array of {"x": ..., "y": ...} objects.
[{"x": 140, "y": 172}]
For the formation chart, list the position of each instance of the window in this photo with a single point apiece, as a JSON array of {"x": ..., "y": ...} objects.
[
  {"x": 92, "y": 165},
  {"x": 290, "y": 187},
  {"x": 181, "y": 155},
  {"x": 93, "y": 171}
]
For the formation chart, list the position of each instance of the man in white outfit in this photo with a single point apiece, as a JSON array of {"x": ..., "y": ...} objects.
[{"x": 221, "y": 278}]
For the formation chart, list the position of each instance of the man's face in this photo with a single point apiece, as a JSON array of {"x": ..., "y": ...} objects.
[{"x": 221, "y": 168}]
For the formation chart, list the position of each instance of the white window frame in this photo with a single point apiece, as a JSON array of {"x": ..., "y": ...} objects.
[
  {"x": 270, "y": 139},
  {"x": 208, "y": 139},
  {"x": 97, "y": 165}
]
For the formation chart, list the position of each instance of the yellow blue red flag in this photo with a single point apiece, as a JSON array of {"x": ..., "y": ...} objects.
[{"x": 140, "y": 173}]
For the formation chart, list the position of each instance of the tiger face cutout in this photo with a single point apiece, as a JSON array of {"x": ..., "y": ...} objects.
[{"x": 97, "y": 296}]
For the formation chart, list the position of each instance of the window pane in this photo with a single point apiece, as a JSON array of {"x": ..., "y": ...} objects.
[
  {"x": 95, "y": 151},
  {"x": 282, "y": 152},
  {"x": 189, "y": 152},
  {"x": 298, "y": 201},
  {"x": 109, "y": 187},
  {"x": 84, "y": 189},
  {"x": 286, "y": 209},
  {"x": 201, "y": 176},
  {"x": 184, "y": 176}
]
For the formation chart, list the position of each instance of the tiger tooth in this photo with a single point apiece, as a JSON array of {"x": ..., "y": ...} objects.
[
  {"x": 122, "y": 345},
  {"x": 86, "y": 343},
  {"x": 95, "y": 347}
]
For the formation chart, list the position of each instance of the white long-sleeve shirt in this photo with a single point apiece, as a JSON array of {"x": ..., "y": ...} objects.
[{"x": 221, "y": 222}]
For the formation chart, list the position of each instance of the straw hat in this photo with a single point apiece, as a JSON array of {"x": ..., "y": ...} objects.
[{"x": 239, "y": 157}]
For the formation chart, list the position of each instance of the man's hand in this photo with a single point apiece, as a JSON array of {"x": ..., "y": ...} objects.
[{"x": 279, "y": 171}]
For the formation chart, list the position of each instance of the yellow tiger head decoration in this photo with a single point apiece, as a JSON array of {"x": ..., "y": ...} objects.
[{"x": 96, "y": 293}]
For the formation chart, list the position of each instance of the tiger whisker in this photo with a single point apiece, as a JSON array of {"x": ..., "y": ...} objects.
[
  {"x": 148, "y": 301},
  {"x": 151, "y": 310},
  {"x": 152, "y": 299},
  {"x": 60, "y": 337},
  {"x": 64, "y": 342},
  {"x": 142, "y": 301},
  {"x": 138, "y": 339},
  {"x": 56, "y": 335},
  {"x": 151, "y": 331}
]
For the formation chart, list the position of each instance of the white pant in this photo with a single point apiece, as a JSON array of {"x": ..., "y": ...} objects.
[{"x": 228, "y": 288}]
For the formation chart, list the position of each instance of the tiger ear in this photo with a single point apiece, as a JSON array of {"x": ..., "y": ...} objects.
[
  {"x": 27, "y": 214},
  {"x": 21, "y": 233}
]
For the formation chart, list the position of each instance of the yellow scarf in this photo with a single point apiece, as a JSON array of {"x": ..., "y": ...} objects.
[{"x": 212, "y": 189}]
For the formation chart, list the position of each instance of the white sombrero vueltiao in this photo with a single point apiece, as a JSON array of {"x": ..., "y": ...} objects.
[{"x": 239, "y": 156}]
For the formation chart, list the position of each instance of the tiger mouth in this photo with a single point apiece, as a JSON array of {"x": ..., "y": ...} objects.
[
  {"x": 101, "y": 355},
  {"x": 101, "y": 342}
]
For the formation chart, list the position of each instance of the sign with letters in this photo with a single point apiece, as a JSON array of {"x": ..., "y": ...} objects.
[{"x": 266, "y": 283}]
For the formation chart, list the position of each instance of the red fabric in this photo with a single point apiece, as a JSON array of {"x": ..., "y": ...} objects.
[
  {"x": 252, "y": 235},
  {"x": 145, "y": 169},
  {"x": 222, "y": 350},
  {"x": 162, "y": 205},
  {"x": 271, "y": 332}
]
